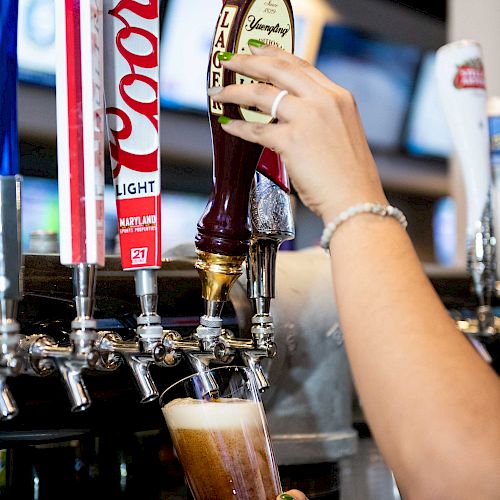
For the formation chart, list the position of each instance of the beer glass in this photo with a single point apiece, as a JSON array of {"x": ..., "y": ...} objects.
[{"x": 221, "y": 438}]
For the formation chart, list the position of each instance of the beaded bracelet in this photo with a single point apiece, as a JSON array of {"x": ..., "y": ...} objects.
[{"x": 363, "y": 208}]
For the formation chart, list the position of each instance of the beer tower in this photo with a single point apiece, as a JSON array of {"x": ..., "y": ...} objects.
[
  {"x": 132, "y": 107},
  {"x": 80, "y": 122},
  {"x": 10, "y": 210}
]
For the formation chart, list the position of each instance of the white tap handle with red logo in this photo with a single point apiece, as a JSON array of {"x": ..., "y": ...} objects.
[
  {"x": 462, "y": 88},
  {"x": 80, "y": 134},
  {"x": 131, "y": 34}
]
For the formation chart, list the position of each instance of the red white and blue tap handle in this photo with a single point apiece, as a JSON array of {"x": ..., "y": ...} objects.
[
  {"x": 131, "y": 33},
  {"x": 80, "y": 144},
  {"x": 10, "y": 209}
]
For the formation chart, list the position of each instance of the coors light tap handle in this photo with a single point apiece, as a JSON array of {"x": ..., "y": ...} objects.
[
  {"x": 223, "y": 231},
  {"x": 131, "y": 33},
  {"x": 461, "y": 82}
]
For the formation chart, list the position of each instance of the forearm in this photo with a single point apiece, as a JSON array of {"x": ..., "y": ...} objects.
[{"x": 412, "y": 370}]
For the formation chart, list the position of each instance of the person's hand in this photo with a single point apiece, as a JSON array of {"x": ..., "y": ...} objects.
[
  {"x": 319, "y": 134},
  {"x": 292, "y": 495}
]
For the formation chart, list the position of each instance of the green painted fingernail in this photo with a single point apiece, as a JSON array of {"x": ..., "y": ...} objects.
[
  {"x": 286, "y": 496},
  {"x": 253, "y": 42},
  {"x": 225, "y": 56},
  {"x": 224, "y": 120}
]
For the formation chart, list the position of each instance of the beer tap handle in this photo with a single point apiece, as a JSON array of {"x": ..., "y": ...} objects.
[
  {"x": 80, "y": 133},
  {"x": 272, "y": 223},
  {"x": 131, "y": 31},
  {"x": 462, "y": 87},
  {"x": 273, "y": 167},
  {"x": 223, "y": 236},
  {"x": 223, "y": 229}
]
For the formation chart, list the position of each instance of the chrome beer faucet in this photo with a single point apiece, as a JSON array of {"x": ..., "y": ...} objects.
[
  {"x": 272, "y": 223},
  {"x": 210, "y": 342},
  {"x": 481, "y": 257},
  {"x": 44, "y": 355},
  {"x": 147, "y": 347}
]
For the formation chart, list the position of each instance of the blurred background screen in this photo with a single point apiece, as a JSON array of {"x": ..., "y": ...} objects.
[
  {"x": 40, "y": 212},
  {"x": 186, "y": 43},
  {"x": 379, "y": 74},
  {"x": 187, "y": 32},
  {"x": 427, "y": 132},
  {"x": 36, "y": 42}
]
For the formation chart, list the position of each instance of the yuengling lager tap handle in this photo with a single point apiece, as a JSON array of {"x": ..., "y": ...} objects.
[{"x": 223, "y": 228}]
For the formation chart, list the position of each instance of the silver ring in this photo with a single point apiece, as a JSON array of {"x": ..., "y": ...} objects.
[{"x": 277, "y": 102}]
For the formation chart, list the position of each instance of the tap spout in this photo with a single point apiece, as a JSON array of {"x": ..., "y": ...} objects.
[
  {"x": 200, "y": 363},
  {"x": 142, "y": 375},
  {"x": 77, "y": 391},
  {"x": 8, "y": 406},
  {"x": 253, "y": 359}
]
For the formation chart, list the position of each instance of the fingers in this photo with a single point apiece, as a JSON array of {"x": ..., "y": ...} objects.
[
  {"x": 313, "y": 73},
  {"x": 292, "y": 495},
  {"x": 271, "y": 136},
  {"x": 282, "y": 72},
  {"x": 261, "y": 96}
]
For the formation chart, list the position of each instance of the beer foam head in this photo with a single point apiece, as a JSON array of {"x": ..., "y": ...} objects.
[{"x": 223, "y": 414}]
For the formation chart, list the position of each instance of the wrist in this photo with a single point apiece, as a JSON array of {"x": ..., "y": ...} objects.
[
  {"x": 358, "y": 210},
  {"x": 334, "y": 208}
]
